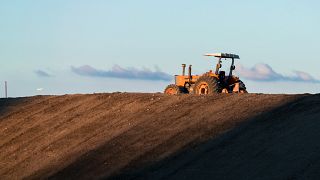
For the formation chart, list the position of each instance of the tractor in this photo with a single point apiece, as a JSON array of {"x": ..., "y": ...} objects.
[{"x": 210, "y": 82}]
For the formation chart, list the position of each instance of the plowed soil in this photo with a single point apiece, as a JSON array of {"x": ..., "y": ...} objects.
[{"x": 155, "y": 136}]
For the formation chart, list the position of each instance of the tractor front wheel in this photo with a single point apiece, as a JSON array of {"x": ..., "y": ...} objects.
[{"x": 173, "y": 89}]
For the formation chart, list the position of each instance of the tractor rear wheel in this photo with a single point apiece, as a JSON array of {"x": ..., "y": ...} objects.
[
  {"x": 173, "y": 89},
  {"x": 242, "y": 88},
  {"x": 206, "y": 85}
]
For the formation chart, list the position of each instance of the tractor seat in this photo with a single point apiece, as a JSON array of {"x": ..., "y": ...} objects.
[{"x": 222, "y": 75}]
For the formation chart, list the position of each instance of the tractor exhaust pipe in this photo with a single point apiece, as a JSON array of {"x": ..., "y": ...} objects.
[
  {"x": 190, "y": 72},
  {"x": 183, "y": 69}
]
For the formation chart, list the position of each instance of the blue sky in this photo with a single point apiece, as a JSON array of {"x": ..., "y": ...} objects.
[{"x": 41, "y": 42}]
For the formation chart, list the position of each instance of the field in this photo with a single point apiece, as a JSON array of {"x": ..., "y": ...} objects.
[{"x": 156, "y": 136}]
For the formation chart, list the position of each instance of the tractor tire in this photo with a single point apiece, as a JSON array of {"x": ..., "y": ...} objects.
[
  {"x": 242, "y": 87},
  {"x": 173, "y": 89},
  {"x": 206, "y": 85}
]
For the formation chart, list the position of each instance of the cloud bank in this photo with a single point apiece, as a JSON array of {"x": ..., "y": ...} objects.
[
  {"x": 263, "y": 72},
  {"x": 42, "y": 73},
  {"x": 122, "y": 73}
]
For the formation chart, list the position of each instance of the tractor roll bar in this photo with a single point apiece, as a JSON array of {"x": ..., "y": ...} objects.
[
  {"x": 232, "y": 67},
  {"x": 218, "y": 66}
]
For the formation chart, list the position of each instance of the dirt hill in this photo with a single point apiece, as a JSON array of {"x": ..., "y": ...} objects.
[{"x": 155, "y": 136}]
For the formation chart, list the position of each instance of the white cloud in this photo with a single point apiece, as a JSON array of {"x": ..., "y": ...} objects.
[
  {"x": 41, "y": 73},
  {"x": 123, "y": 73},
  {"x": 264, "y": 72}
]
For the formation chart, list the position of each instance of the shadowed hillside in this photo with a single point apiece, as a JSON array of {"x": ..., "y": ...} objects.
[{"x": 124, "y": 135}]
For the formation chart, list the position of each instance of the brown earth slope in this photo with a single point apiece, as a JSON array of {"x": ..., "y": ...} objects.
[{"x": 154, "y": 136}]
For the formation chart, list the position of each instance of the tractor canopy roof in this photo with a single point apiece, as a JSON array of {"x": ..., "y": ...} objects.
[{"x": 224, "y": 55}]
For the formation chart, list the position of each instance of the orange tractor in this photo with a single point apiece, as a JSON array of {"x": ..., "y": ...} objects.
[{"x": 210, "y": 82}]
